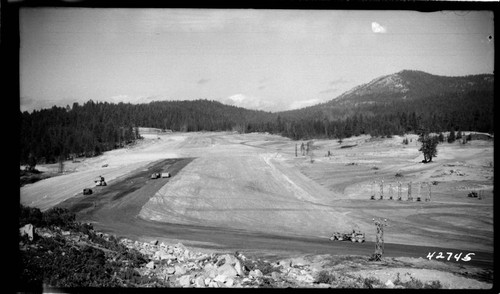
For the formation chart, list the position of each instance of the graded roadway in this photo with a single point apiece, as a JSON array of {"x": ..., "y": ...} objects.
[{"x": 248, "y": 192}]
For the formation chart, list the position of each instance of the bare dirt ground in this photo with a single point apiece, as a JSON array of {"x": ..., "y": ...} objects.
[{"x": 250, "y": 191}]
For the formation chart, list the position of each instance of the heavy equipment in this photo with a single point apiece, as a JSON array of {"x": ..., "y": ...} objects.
[
  {"x": 99, "y": 181},
  {"x": 354, "y": 236}
]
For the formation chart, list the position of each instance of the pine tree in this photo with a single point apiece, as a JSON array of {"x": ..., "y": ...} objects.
[
  {"x": 451, "y": 137},
  {"x": 429, "y": 146}
]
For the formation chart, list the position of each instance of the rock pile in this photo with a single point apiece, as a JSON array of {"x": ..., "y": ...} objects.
[{"x": 185, "y": 268}]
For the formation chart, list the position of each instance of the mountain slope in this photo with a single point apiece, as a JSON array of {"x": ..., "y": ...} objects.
[
  {"x": 408, "y": 87},
  {"x": 411, "y": 84}
]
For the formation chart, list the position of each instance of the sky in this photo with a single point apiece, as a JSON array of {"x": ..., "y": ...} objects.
[{"x": 270, "y": 60}]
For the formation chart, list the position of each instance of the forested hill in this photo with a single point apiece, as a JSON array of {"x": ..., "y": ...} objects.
[
  {"x": 95, "y": 127},
  {"x": 405, "y": 102},
  {"x": 406, "y": 86},
  {"x": 408, "y": 101}
]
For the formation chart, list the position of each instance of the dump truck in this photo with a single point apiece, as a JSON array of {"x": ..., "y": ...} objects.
[
  {"x": 99, "y": 181},
  {"x": 354, "y": 236},
  {"x": 165, "y": 175}
]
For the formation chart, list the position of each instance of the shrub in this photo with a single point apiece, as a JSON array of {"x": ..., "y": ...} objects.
[
  {"x": 325, "y": 277},
  {"x": 414, "y": 283},
  {"x": 369, "y": 282},
  {"x": 441, "y": 137},
  {"x": 56, "y": 216},
  {"x": 30, "y": 215},
  {"x": 433, "y": 285},
  {"x": 59, "y": 217}
]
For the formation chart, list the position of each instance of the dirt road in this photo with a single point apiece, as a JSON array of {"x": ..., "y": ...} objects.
[
  {"x": 249, "y": 192},
  {"x": 115, "y": 210}
]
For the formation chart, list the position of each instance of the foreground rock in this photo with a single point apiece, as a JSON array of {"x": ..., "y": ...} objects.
[
  {"x": 188, "y": 268},
  {"x": 179, "y": 266}
]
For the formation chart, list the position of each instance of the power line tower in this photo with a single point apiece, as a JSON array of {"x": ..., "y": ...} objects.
[{"x": 379, "y": 239}]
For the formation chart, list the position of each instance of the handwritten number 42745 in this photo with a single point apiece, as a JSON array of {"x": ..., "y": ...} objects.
[{"x": 450, "y": 254}]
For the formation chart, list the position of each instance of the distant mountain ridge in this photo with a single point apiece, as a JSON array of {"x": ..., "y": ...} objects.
[
  {"x": 411, "y": 84},
  {"x": 404, "y": 102}
]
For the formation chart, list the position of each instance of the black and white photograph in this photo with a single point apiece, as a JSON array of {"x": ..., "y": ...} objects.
[{"x": 183, "y": 147}]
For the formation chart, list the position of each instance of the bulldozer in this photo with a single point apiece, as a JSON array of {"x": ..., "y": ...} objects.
[
  {"x": 99, "y": 181},
  {"x": 355, "y": 236}
]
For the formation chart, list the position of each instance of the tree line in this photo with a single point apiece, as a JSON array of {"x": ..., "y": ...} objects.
[{"x": 50, "y": 135}]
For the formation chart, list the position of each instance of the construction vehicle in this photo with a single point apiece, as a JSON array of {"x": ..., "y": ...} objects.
[
  {"x": 87, "y": 191},
  {"x": 354, "y": 236},
  {"x": 472, "y": 194},
  {"x": 155, "y": 175},
  {"x": 99, "y": 181}
]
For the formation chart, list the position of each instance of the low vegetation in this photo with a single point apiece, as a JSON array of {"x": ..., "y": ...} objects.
[
  {"x": 32, "y": 176},
  {"x": 67, "y": 254},
  {"x": 414, "y": 283},
  {"x": 56, "y": 262}
]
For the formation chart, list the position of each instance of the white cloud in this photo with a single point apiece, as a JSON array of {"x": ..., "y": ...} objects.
[{"x": 377, "y": 28}]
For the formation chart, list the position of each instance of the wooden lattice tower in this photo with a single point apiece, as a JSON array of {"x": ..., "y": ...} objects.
[
  {"x": 419, "y": 188},
  {"x": 382, "y": 189},
  {"x": 429, "y": 193},
  {"x": 372, "y": 196},
  {"x": 399, "y": 191},
  {"x": 379, "y": 239},
  {"x": 410, "y": 198}
]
